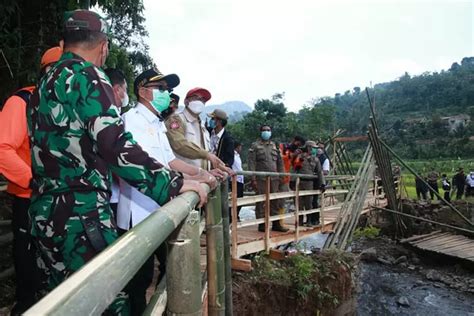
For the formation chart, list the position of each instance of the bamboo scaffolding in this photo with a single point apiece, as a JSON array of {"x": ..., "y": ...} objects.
[
  {"x": 215, "y": 255},
  {"x": 183, "y": 280},
  {"x": 464, "y": 230},
  {"x": 227, "y": 256},
  {"x": 451, "y": 206}
]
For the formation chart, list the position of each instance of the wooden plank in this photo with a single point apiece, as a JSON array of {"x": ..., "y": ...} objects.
[
  {"x": 416, "y": 237},
  {"x": 465, "y": 249},
  {"x": 438, "y": 241},
  {"x": 428, "y": 238},
  {"x": 241, "y": 264},
  {"x": 454, "y": 244},
  {"x": 459, "y": 247},
  {"x": 277, "y": 254},
  {"x": 249, "y": 200}
]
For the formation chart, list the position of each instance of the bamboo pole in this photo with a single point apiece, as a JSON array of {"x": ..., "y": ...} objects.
[
  {"x": 235, "y": 236},
  {"x": 426, "y": 183},
  {"x": 92, "y": 288},
  {"x": 267, "y": 213},
  {"x": 226, "y": 237},
  {"x": 184, "y": 276},
  {"x": 425, "y": 220},
  {"x": 321, "y": 211},
  {"x": 215, "y": 255},
  {"x": 297, "y": 209}
]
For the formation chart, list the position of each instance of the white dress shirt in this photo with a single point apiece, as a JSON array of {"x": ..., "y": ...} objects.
[
  {"x": 150, "y": 134},
  {"x": 237, "y": 166},
  {"x": 215, "y": 138}
]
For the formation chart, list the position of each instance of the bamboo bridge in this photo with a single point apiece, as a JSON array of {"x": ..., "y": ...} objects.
[{"x": 203, "y": 248}]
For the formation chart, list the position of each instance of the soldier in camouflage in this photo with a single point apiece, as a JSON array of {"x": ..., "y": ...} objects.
[
  {"x": 310, "y": 165},
  {"x": 77, "y": 139},
  {"x": 265, "y": 156}
]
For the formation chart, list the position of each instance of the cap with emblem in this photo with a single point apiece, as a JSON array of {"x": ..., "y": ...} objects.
[
  {"x": 219, "y": 114},
  {"x": 84, "y": 20},
  {"x": 50, "y": 56},
  {"x": 201, "y": 92},
  {"x": 154, "y": 75}
]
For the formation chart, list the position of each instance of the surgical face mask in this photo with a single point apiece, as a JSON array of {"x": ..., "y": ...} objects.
[
  {"x": 212, "y": 123},
  {"x": 161, "y": 100},
  {"x": 196, "y": 106},
  {"x": 314, "y": 151},
  {"x": 266, "y": 135},
  {"x": 125, "y": 100}
]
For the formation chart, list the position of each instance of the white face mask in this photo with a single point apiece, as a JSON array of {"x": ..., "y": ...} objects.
[
  {"x": 125, "y": 100},
  {"x": 196, "y": 106}
]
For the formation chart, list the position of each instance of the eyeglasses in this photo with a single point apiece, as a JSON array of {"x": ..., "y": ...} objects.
[{"x": 160, "y": 86}]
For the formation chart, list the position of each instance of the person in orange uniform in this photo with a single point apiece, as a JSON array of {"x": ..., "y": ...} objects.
[
  {"x": 288, "y": 155},
  {"x": 15, "y": 165}
]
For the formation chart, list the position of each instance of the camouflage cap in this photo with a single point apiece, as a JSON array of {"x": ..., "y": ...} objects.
[{"x": 84, "y": 20}]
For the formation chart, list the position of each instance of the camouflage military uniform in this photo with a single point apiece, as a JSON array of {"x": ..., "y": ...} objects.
[
  {"x": 265, "y": 156},
  {"x": 77, "y": 139},
  {"x": 310, "y": 165}
]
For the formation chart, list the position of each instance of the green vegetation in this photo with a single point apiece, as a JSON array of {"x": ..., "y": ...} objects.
[
  {"x": 31, "y": 27},
  {"x": 308, "y": 277},
  {"x": 409, "y": 110},
  {"x": 369, "y": 232}
]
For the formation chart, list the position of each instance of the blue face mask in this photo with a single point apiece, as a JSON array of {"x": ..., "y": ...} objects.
[
  {"x": 161, "y": 100},
  {"x": 266, "y": 135},
  {"x": 212, "y": 123}
]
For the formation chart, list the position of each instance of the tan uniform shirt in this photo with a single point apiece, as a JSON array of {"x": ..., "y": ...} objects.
[
  {"x": 265, "y": 156},
  {"x": 188, "y": 138},
  {"x": 312, "y": 165}
]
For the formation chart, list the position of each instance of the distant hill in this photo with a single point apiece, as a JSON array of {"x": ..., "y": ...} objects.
[
  {"x": 424, "y": 116},
  {"x": 234, "y": 109}
]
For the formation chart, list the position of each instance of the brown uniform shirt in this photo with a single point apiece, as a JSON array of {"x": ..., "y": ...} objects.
[
  {"x": 176, "y": 132},
  {"x": 311, "y": 165},
  {"x": 265, "y": 156}
]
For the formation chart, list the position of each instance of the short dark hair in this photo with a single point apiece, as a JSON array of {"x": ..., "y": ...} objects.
[
  {"x": 264, "y": 125},
  {"x": 299, "y": 139},
  {"x": 224, "y": 122},
  {"x": 237, "y": 144},
  {"x": 82, "y": 37},
  {"x": 115, "y": 75}
]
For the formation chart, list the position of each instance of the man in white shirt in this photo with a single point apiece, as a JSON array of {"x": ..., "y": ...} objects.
[
  {"x": 237, "y": 166},
  {"x": 222, "y": 143},
  {"x": 119, "y": 85},
  {"x": 145, "y": 122}
]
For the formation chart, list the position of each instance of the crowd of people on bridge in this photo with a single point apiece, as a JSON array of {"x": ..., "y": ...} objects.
[{"x": 83, "y": 172}]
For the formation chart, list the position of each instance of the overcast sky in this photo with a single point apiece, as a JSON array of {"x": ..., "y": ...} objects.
[{"x": 249, "y": 49}]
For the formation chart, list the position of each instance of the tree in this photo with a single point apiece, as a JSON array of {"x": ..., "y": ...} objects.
[{"x": 28, "y": 28}]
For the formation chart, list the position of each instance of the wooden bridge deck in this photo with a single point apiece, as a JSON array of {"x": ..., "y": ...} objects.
[
  {"x": 444, "y": 243},
  {"x": 250, "y": 240}
]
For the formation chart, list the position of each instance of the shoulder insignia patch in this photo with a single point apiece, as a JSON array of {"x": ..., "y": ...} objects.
[{"x": 174, "y": 125}]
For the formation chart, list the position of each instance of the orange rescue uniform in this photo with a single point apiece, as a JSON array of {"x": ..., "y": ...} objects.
[{"x": 15, "y": 159}]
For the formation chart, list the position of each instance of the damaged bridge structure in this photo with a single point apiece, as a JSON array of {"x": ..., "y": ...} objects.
[{"x": 204, "y": 247}]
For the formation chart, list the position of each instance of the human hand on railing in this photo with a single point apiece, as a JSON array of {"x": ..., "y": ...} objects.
[
  {"x": 206, "y": 177},
  {"x": 253, "y": 184},
  {"x": 192, "y": 185},
  {"x": 219, "y": 174},
  {"x": 215, "y": 161}
]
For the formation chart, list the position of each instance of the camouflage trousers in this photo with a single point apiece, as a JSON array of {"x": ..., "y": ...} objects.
[{"x": 58, "y": 227}]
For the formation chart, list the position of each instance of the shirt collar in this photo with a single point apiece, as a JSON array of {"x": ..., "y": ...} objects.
[
  {"x": 146, "y": 113},
  {"x": 219, "y": 135},
  {"x": 190, "y": 117}
]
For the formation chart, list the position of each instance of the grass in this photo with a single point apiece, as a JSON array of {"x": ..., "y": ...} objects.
[{"x": 447, "y": 166}]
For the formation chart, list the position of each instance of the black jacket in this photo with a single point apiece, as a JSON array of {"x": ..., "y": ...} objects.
[{"x": 225, "y": 149}]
